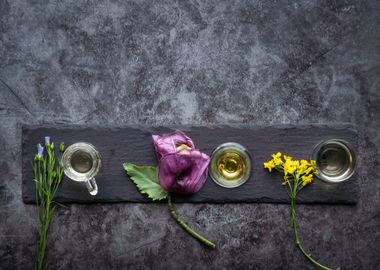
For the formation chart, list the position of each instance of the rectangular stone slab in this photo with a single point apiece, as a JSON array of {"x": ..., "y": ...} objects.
[{"x": 134, "y": 144}]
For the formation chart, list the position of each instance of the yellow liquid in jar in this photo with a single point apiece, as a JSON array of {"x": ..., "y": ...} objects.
[{"x": 231, "y": 166}]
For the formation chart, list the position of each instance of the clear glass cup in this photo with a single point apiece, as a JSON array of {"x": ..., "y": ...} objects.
[
  {"x": 335, "y": 160},
  {"x": 81, "y": 163},
  {"x": 230, "y": 165}
]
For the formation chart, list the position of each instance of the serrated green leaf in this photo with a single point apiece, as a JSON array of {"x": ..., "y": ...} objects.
[{"x": 146, "y": 180}]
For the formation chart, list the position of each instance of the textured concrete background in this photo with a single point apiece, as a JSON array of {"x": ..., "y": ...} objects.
[{"x": 189, "y": 62}]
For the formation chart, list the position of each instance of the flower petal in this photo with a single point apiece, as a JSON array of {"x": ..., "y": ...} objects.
[
  {"x": 40, "y": 150},
  {"x": 167, "y": 143},
  {"x": 183, "y": 172}
]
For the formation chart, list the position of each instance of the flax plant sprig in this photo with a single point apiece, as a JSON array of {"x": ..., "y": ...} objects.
[
  {"x": 48, "y": 172},
  {"x": 297, "y": 175}
]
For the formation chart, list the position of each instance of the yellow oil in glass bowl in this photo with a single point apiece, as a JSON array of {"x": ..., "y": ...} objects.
[{"x": 230, "y": 165}]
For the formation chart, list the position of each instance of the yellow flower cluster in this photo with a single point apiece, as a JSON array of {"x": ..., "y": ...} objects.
[
  {"x": 276, "y": 161},
  {"x": 301, "y": 170}
]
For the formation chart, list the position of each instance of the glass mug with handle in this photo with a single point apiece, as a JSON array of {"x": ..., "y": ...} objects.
[{"x": 81, "y": 163}]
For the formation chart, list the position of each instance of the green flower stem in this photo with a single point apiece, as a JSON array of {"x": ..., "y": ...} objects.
[
  {"x": 293, "y": 198},
  {"x": 48, "y": 177},
  {"x": 186, "y": 227}
]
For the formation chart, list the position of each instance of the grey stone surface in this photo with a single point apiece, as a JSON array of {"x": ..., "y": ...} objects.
[{"x": 189, "y": 62}]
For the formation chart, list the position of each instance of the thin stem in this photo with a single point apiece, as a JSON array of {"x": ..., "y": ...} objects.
[
  {"x": 186, "y": 227},
  {"x": 298, "y": 243}
]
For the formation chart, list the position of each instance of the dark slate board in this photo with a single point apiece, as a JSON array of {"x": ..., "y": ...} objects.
[{"x": 134, "y": 144}]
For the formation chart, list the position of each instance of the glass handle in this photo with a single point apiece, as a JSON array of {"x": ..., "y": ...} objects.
[{"x": 92, "y": 186}]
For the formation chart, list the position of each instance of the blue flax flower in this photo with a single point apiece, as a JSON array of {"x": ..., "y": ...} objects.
[{"x": 40, "y": 151}]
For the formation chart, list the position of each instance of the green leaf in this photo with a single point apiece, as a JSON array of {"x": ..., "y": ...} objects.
[{"x": 146, "y": 180}]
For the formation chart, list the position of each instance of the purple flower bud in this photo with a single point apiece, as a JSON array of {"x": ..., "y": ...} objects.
[
  {"x": 47, "y": 139},
  {"x": 183, "y": 172},
  {"x": 182, "y": 168}
]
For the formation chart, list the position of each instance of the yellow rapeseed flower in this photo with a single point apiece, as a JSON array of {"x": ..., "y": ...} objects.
[
  {"x": 278, "y": 162},
  {"x": 269, "y": 165},
  {"x": 313, "y": 163},
  {"x": 306, "y": 179},
  {"x": 277, "y": 159},
  {"x": 290, "y": 166},
  {"x": 302, "y": 169},
  {"x": 309, "y": 170},
  {"x": 305, "y": 163}
]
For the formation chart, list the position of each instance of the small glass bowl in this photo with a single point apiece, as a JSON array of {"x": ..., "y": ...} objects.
[
  {"x": 230, "y": 165},
  {"x": 335, "y": 160}
]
